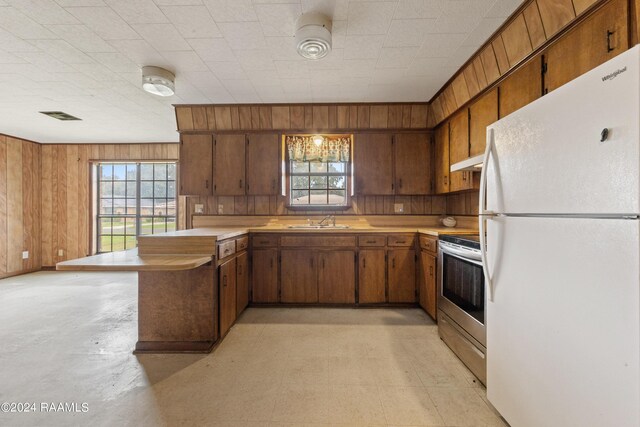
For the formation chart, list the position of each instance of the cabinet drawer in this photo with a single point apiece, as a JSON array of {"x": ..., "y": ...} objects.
[
  {"x": 372, "y": 240},
  {"x": 242, "y": 243},
  {"x": 400, "y": 240},
  {"x": 429, "y": 243},
  {"x": 306, "y": 241},
  {"x": 226, "y": 248},
  {"x": 265, "y": 240}
]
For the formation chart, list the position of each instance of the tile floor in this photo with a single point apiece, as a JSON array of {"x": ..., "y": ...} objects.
[{"x": 67, "y": 337}]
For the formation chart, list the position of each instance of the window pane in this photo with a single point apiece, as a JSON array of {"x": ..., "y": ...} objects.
[
  {"x": 146, "y": 171},
  {"x": 318, "y": 181},
  {"x": 146, "y": 206},
  {"x": 106, "y": 189},
  {"x": 299, "y": 197},
  {"x": 300, "y": 167},
  {"x": 318, "y": 197},
  {"x": 146, "y": 189},
  {"x": 160, "y": 189},
  {"x": 130, "y": 226},
  {"x": 119, "y": 172},
  {"x": 106, "y": 172},
  {"x": 131, "y": 206},
  {"x": 117, "y": 243},
  {"x": 160, "y": 207},
  {"x": 159, "y": 225},
  {"x": 171, "y": 207},
  {"x": 171, "y": 224},
  {"x": 131, "y": 189},
  {"x": 337, "y": 182},
  {"x": 337, "y": 167},
  {"x": 300, "y": 182},
  {"x": 105, "y": 226},
  {"x": 171, "y": 189},
  {"x": 160, "y": 171},
  {"x": 171, "y": 171},
  {"x": 119, "y": 188},
  {"x": 337, "y": 197},
  {"x": 131, "y": 172},
  {"x": 106, "y": 206},
  {"x": 119, "y": 206},
  {"x": 118, "y": 226},
  {"x": 145, "y": 226},
  {"x": 130, "y": 242},
  {"x": 318, "y": 167},
  {"x": 105, "y": 244}
]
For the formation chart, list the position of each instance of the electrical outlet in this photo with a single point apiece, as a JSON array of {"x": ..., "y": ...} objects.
[
  {"x": 398, "y": 207},
  {"x": 25, "y": 254},
  {"x": 60, "y": 252},
  {"x": 199, "y": 208},
  {"x": 220, "y": 209}
]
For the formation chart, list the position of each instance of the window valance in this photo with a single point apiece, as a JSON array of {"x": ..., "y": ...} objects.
[{"x": 318, "y": 148}]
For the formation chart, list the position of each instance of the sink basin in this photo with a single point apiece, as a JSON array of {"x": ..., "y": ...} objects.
[{"x": 317, "y": 227}]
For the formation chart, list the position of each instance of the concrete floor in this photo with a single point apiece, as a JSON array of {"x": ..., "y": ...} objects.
[{"x": 68, "y": 337}]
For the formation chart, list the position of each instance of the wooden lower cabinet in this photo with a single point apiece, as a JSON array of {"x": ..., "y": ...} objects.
[
  {"x": 227, "y": 284},
  {"x": 401, "y": 267},
  {"x": 242, "y": 282},
  {"x": 299, "y": 276},
  {"x": 428, "y": 294},
  {"x": 337, "y": 277},
  {"x": 264, "y": 276},
  {"x": 372, "y": 276}
]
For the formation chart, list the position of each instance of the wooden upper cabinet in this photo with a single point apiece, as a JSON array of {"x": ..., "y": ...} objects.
[
  {"x": 373, "y": 164},
  {"x": 481, "y": 114},
  {"x": 299, "y": 279},
  {"x": 459, "y": 150},
  {"x": 594, "y": 41},
  {"x": 412, "y": 164},
  {"x": 555, "y": 14},
  {"x": 229, "y": 168},
  {"x": 196, "y": 165},
  {"x": 337, "y": 277},
  {"x": 263, "y": 164},
  {"x": 441, "y": 167},
  {"x": 522, "y": 87},
  {"x": 516, "y": 40}
]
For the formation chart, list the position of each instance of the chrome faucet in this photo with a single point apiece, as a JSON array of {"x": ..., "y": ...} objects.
[{"x": 328, "y": 218}]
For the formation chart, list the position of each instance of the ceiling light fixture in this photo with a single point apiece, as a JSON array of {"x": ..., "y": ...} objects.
[
  {"x": 318, "y": 140},
  {"x": 313, "y": 35},
  {"x": 158, "y": 81}
]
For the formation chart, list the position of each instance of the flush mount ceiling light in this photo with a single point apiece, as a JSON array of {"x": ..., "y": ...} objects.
[
  {"x": 318, "y": 140},
  {"x": 313, "y": 35},
  {"x": 158, "y": 81}
]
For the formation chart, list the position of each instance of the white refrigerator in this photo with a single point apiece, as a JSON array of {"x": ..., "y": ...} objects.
[{"x": 559, "y": 202}]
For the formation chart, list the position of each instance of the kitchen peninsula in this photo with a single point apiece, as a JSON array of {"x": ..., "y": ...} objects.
[{"x": 193, "y": 284}]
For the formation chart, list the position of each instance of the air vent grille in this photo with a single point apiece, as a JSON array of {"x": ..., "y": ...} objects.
[{"x": 60, "y": 115}]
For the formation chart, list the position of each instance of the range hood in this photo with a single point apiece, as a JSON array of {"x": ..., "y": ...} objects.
[{"x": 473, "y": 164}]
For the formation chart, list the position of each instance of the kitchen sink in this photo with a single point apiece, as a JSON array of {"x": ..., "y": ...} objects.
[{"x": 317, "y": 227}]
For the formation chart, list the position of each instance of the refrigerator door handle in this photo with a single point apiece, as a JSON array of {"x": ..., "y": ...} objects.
[{"x": 484, "y": 214}]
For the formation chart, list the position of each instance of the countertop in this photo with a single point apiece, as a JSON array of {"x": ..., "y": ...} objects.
[{"x": 131, "y": 261}]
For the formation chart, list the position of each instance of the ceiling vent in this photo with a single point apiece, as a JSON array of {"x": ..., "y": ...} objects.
[
  {"x": 313, "y": 35},
  {"x": 59, "y": 115}
]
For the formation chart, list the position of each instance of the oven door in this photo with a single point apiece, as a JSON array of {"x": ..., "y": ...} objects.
[{"x": 461, "y": 292}]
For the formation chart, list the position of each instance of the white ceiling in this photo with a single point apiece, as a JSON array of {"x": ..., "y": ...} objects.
[{"x": 83, "y": 57}]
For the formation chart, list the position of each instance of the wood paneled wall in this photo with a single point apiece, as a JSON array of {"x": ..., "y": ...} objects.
[
  {"x": 19, "y": 206},
  {"x": 462, "y": 204},
  {"x": 534, "y": 23},
  {"x": 66, "y": 192},
  {"x": 301, "y": 117}
]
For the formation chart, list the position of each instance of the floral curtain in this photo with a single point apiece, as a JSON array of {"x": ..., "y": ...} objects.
[{"x": 305, "y": 148}]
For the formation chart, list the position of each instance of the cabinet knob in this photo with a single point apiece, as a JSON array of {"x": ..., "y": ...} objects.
[
  {"x": 206, "y": 184},
  {"x": 224, "y": 281},
  {"x": 364, "y": 263},
  {"x": 240, "y": 184}
]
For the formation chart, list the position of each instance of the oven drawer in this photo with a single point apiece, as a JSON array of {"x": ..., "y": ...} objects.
[{"x": 473, "y": 356}]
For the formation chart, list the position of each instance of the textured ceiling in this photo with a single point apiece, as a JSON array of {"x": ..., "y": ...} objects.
[{"x": 83, "y": 57}]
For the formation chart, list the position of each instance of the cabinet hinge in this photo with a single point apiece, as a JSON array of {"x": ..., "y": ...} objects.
[
  {"x": 544, "y": 68},
  {"x": 214, "y": 187}
]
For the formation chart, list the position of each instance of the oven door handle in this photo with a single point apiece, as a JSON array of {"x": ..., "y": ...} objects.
[{"x": 468, "y": 256}]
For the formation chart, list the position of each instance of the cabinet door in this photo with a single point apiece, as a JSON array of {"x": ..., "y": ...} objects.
[
  {"x": 229, "y": 179},
  {"x": 373, "y": 164},
  {"x": 371, "y": 276},
  {"x": 299, "y": 276},
  {"x": 597, "y": 39},
  {"x": 402, "y": 275},
  {"x": 428, "y": 290},
  {"x": 442, "y": 158},
  {"x": 481, "y": 114},
  {"x": 263, "y": 164},
  {"x": 227, "y": 275},
  {"x": 337, "y": 277},
  {"x": 412, "y": 163},
  {"x": 522, "y": 87},
  {"x": 196, "y": 165},
  {"x": 459, "y": 149},
  {"x": 264, "y": 275},
  {"x": 242, "y": 282}
]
